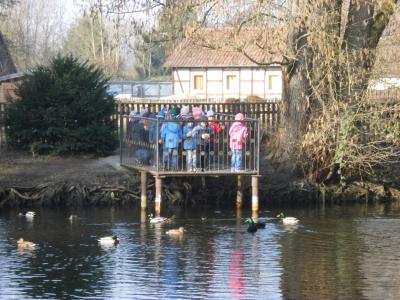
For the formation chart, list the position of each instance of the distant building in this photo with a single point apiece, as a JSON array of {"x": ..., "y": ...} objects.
[
  {"x": 384, "y": 83},
  {"x": 8, "y": 72},
  {"x": 219, "y": 63}
]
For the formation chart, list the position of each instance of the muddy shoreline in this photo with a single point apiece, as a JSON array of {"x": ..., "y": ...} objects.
[{"x": 27, "y": 181}]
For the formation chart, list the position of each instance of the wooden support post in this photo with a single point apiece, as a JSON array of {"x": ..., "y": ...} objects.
[
  {"x": 158, "y": 196},
  {"x": 143, "y": 185},
  {"x": 254, "y": 193},
  {"x": 239, "y": 195}
]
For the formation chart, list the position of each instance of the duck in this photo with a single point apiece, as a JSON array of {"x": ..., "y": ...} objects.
[
  {"x": 287, "y": 220},
  {"x": 252, "y": 226},
  {"x": 72, "y": 218},
  {"x": 178, "y": 231},
  {"x": 109, "y": 240},
  {"x": 260, "y": 225},
  {"x": 22, "y": 244},
  {"x": 27, "y": 214},
  {"x": 155, "y": 220}
]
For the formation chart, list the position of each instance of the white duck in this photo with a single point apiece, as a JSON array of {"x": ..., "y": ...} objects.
[
  {"x": 29, "y": 215},
  {"x": 109, "y": 240},
  {"x": 22, "y": 244},
  {"x": 73, "y": 218},
  {"x": 287, "y": 220},
  {"x": 155, "y": 220},
  {"x": 178, "y": 231}
]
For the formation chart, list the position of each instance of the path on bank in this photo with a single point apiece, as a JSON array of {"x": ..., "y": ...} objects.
[{"x": 21, "y": 169}]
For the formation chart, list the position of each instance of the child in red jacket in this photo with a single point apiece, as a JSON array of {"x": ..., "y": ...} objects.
[{"x": 217, "y": 129}]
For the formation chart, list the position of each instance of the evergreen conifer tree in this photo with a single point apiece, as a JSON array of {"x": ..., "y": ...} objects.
[{"x": 63, "y": 108}]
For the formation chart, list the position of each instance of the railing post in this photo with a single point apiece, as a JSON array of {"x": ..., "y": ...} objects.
[
  {"x": 158, "y": 145},
  {"x": 258, "y": 147},
  {"x": 121, "y": 135},
  {"x": 143, "y": 185}
]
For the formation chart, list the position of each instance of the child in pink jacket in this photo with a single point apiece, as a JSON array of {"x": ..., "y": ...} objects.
[{"x": 237, "y": 137}]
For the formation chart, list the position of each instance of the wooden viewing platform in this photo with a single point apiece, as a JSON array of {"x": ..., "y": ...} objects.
[{"x": 145, "y": 147}]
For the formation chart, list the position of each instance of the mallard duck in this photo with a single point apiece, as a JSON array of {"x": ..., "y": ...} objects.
[
  {"x": 109, "y": 240},
  {"x": 260, "y": 225},
  {"x": 252, "y": 226},
  {"x": 287, "y": 220},
  {"x": 178, "y": 231},
  {"x": 154, "y": 220},
  {"x": 21, "y": 244}
]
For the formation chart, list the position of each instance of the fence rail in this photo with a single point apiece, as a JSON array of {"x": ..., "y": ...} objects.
[
  {"x": 183, "y": 147},
  {"x": 266, "y": 112}
]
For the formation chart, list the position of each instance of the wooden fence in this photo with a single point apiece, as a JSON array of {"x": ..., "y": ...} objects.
[{"x": 266, "y": 112}]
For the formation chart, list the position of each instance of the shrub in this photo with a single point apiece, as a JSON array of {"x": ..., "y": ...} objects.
[{"x": 63, "y": 108}]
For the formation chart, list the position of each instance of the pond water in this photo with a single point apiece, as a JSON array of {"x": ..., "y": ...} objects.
[{"x": 340, "y": 252}]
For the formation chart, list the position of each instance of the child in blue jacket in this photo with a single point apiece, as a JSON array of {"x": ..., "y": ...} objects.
[
  {"x": 171, "y": 133},
  {"x": 189, "y": 145}
]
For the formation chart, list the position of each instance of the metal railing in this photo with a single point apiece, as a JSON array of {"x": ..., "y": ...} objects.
[
  {"x": 2, "y": 125},
  {"x": 141, "y": 89},
  {"x": 172, "y": 147}
]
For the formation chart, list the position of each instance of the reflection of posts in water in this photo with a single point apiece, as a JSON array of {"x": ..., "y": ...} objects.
[
  {"x": 143, "y": 185},
  {"x": 239, "y": 195},
  {"x": 235, "y": 280},
  {"x": 158, "y": 196},
  {"x": 254, "y": 192},
  {"x": 157, "y": 247},
  {"x": 254, "y": 215},
  {"x": 238, "y": 216},
  {"x": 143, "y": 225}
]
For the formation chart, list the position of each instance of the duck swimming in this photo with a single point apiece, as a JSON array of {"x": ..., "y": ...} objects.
[
  {"x": 252, "y": 226},
  {"x": 22, "y": 244},
  {"x": 27, "y": 214},
  {"x": 155, "y": 220},
  {"x": 109, "y": 240},
  {"x": 287, "y": 220},
  {"x": 73, "y": 218},
  {"x": 178, "y": 231}
]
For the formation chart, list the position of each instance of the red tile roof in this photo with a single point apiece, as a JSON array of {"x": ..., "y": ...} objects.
[{"x": 211, "y": 47}]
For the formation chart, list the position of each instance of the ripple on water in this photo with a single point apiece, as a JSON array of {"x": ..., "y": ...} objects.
[{"x": 329, "y": 255}]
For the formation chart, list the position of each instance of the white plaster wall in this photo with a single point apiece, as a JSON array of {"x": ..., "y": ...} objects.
[
  {"x": 258, "y": 74},
  {"x": 258, "y": 89},
  {"x": 214, "y": 82},
  {"x": 245, "y": 87},
  {"x": 214, "y": 74}
]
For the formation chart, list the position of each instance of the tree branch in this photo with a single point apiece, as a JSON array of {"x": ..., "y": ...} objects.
[{"x": 380, "y": 21}]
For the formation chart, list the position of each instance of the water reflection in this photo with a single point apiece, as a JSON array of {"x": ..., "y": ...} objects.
[{"x": 338, "y": 252}]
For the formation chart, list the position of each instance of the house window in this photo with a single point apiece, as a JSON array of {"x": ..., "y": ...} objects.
[
  {"x": 273, "y": 82},
  {"x": 231, "y": 82},
  {"x": 198, "y": 82}
]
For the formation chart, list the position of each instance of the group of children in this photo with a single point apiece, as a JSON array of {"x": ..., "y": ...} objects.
[{"x": 199, "y": 133}]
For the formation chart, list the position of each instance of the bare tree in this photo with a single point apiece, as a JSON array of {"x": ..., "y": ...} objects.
[
  {"x": 330, "y": 127},
  {"x": 35, "y": 30}
]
